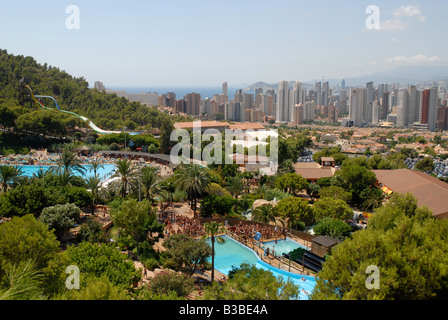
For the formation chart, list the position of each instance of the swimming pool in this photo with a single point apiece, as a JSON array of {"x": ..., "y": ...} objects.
[
  {"x": 232, "y": 253},
  {"x": 103, "y": 173},
  {"x": 283, "y": 246}
]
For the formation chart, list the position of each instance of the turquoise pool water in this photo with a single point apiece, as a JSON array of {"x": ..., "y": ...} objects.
[
  {"x": 283, "y": 246},
  {"x": 232, "y": 253},
  {"x": 103, "y": 173}
]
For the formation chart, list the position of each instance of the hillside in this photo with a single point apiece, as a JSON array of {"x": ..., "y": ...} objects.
[
  {"x": 263, "y": 85},
  {"x": 106, "y": 110}
]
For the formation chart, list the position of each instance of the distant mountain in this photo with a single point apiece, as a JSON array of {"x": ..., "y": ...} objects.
[
  {"x": 405, "y": 75},
  {"x": 263, "y": 85}
]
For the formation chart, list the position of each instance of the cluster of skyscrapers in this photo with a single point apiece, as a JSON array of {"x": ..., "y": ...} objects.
[
  {"x": 411, "y": 107},
  {"x": 297, "y": 103}
]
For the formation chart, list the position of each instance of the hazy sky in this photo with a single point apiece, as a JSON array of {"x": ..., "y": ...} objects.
[{"x": 204, "y": 43}]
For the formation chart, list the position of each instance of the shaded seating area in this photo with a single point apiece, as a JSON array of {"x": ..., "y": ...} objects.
[
  {"x": 315, "y": 258},
  {"x": 306, "y": 259}
]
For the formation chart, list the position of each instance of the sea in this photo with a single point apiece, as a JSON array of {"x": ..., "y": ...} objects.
[{"x": 179, "y": 91}]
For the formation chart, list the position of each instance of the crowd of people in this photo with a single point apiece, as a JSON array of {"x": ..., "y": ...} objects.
[
  {"x": 190, "y": 226},
  {"x": 194, "y": 228},
  {"x": 248, "y": 231}
]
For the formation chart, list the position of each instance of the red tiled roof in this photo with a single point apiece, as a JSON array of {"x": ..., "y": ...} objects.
[{"x": 429, "y": 191}]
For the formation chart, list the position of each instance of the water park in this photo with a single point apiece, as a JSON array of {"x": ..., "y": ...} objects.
[{"x": 281, "y": 251}]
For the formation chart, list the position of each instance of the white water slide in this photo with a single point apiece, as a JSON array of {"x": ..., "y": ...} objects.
[{"x": 93, "y": 126}]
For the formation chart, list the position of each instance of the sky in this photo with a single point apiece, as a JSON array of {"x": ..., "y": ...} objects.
[{"x": 206, "y": 42}]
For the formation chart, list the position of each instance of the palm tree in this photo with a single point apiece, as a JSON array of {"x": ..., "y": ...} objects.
[
  {"x": 42, "y": 174},
  {"x": 235, "y": 185},
  {"x": 262, "y": 191},
  {"x": 264, "y": 214},
  {"x": 150, "y": 181},
  {"x": 9, "y": 175},
  {"x": 193, "y": 179},
  {"x": 125, "y": 170},
  {"x": 65, "y": 178},
  {"x": 95, "y": 165},
  {"x": 23, "y": 282},
  {"x": 212, "y": 229},
  {"x": 69, "y": 161},
  {"x": 93, "y": 184}
]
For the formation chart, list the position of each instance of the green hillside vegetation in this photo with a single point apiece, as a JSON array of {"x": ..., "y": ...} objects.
[{"x": 20, "y": 118}]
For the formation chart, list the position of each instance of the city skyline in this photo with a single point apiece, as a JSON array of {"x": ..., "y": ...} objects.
[{"x": 203, "y": 43}]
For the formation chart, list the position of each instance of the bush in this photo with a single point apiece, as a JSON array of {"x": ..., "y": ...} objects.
[
  {"x": 333, "y": 208},
  {"x": 214, "y": 204},
  {"x": 29, "y": 199},
  {"x": 296, "y": 210},
  {"x": 334, "y": 228},
  {"x": 100, "y": 289},
  {"x": 153, "y": 149},
  {"x": 103, "y": 260},
  {"x": 151, "y": 264},
  {"x": 168, "y": 282},
  {"x": 277, "y": 194},
  {"x": 60, "y": 218},
  {"x": 92, "y": 231},
  {"x": 114, "y": 146},
  {"x": 186, "y": 254},
  {"x": 125, "y": 243},
  {"x": 79, "y": 196}
]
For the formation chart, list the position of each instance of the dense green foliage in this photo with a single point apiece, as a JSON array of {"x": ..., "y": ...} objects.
[
  {"x": 135, "y": 219},
  {"x": 30, "y": 198},
  {"x": 425, "y": 165},
  {"x": 25, "y": 124},
  {"x": 332, "y": 227},
  {"x": 296, "y": 210},
  {"x": 103, "y": 260},
  {"x": 408, "y": 246},
  {"x": 92, "y": 231},
  {"x": 73, "y": 94},
  {"x": 186, "y": 254},
  {"x": 60, "y": 218},
  {"x": 99, "y": 288},
  {"x": 332, "y": 208},
  {"x": 25, "y": 240},
  {"x": 246, "y": 282},
  {"x": 335, "y": 152},
  {"x": 291, "y": 182},
  {"x": 171, "y": 282},
  {"x": 336, "y": 193},
  {"x": 358, "y": 180},
  {"x": 291, "y": 147},
  {"x": 194, "y": 180},
  {"x": 214, "y": 204}
]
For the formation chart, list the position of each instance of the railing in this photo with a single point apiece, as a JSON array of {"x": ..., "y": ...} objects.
[
  {"x": 303, "y": 237},
  {"x": 256, "y": 246}
]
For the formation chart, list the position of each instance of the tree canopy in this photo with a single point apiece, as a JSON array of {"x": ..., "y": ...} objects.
[
  {"x": 296, "y": 210},
  {"x": 407, "y": 245},
  {"x": 332, "y": 208},
  {"x": 103, "y": 260},
  {"x": 247, "y": 282}
]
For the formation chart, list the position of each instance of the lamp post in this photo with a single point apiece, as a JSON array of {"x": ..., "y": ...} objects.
[
  {"x": 124, "y": 128},
  {"x": 139, "y": 187}
]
